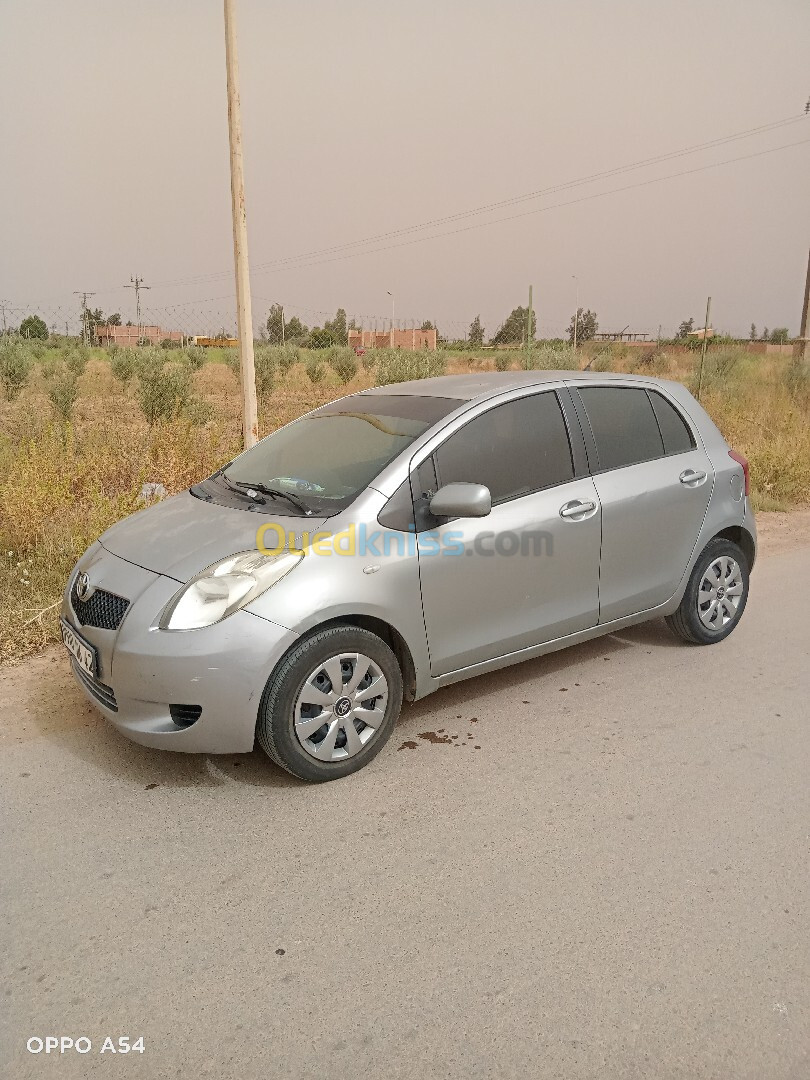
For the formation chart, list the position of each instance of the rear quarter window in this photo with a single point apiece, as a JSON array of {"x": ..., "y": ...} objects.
[{"x": 675, "y": 431}]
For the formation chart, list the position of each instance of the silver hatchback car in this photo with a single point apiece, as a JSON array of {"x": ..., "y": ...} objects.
[{"x": 401, "y": 539}]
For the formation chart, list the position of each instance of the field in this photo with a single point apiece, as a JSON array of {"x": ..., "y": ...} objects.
[{"x": 83, "y": 430}]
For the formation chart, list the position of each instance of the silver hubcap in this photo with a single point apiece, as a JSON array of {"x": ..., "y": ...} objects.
[
  {"x": 340, "y": 707},
  {"x": 720, "y": 593}
]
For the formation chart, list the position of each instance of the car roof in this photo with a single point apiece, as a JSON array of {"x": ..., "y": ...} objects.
[{"x": 484, "y": 384}]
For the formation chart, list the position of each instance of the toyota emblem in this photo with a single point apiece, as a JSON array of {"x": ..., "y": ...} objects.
[{"x": 84, "y": 590}]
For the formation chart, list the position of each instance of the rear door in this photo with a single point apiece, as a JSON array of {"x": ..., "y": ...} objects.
[
  {"x": 654, "y": 481},
  {"x": 526, "y": 573}
]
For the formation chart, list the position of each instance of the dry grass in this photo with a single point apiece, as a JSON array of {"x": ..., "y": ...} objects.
[{"x": 63, "y": 483}]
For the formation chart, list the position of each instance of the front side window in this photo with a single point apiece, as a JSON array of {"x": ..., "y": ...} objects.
[
  {"x": 623, "y": 424},
  {"x": 327, "y": 458},
  {"x": 513, "y": 449}
]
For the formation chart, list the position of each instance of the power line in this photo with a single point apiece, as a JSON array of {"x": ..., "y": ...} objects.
[
  {"x": 489, "y": 207},
  {"x": 540, "y": 209}
]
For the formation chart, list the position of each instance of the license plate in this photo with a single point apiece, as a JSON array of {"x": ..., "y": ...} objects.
[{"x": 83, "y": 653}]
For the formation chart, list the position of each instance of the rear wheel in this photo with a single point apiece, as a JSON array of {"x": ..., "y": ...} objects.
[
  {"x": 331, "y": 705},
  {"x": 715, "y": 597}
]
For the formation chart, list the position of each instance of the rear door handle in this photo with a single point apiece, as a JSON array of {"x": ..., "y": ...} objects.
[
  {"x": 577, "y": 509},
  {"x": 692, "y": 478}
]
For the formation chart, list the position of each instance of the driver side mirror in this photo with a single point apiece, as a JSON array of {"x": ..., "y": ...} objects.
[{"x": 461, "y": 501}]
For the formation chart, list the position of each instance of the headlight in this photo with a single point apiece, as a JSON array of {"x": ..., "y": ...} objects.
[{"x": 225, "y": 587}]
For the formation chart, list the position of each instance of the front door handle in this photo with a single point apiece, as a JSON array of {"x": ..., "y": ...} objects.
[
  {"x": 577, "y": 509},
  {"x": 692, "y": 478}
]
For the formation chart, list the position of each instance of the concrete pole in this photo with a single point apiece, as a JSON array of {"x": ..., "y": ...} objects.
[
  {"x": 244, "y": 314},
  {"x": 801, "y": 349}
]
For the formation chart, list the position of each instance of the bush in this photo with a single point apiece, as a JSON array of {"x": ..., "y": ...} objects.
[
  {"x": 265, "y": 365},
  {"x": 76, "y": 360},
  {"x": 124, "y": 364},
  {"x": 503, "y": 361},
  {"x": 164, "y": 390},
  {"x": 62, "y": 390},
  {"x": 195, "y": 356},
  {"x": 719, "y": 369},
  {"x": 286, "y": 357},
  {"x": 344, "y": 363},
  {"x": 315, "y": 370},
  {"x": 398, "y": 366},
  {"x": 550, "y": 357},
  {"x": 15, "y": 365}
]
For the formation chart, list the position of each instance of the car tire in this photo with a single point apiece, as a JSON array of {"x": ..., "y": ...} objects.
[
  {"x": 303, "y": 690},
  {"x": 715, "y": 596}
]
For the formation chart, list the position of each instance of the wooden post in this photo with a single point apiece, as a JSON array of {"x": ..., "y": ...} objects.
[
  {"x": 244, "y": 315},
  {"x": 703, "y": 350},
  {"x": 801, "y": 349}
]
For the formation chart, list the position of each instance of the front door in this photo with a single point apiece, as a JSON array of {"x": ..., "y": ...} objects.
[{"x": 528, "y": 572}]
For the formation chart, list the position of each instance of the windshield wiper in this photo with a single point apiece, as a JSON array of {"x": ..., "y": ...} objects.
[
  {"x": 274, "y": 493},
  {"x": 238, "y": 490}
]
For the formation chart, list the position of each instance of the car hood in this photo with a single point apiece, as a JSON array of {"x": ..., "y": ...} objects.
[{"x": 182, "y": 535}]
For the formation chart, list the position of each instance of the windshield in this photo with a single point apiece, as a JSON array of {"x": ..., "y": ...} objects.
[{"x": 330, "y": 456}]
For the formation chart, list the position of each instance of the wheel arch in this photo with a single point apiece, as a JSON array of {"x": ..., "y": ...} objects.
[
  {"x": 740, "y": 536},
  {"x": 389, "y": 634}
]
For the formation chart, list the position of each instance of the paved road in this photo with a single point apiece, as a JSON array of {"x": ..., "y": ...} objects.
[{"x": 614, "y": 885}]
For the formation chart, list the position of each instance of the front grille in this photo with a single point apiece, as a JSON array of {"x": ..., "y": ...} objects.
[
  {"x": 103, "y": 694},
  {"x": 104, "y": 609},
  {"x": 185, "y": 715}
]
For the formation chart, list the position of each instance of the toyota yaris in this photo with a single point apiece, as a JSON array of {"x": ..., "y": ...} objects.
[{"x": 401, "y": 539}]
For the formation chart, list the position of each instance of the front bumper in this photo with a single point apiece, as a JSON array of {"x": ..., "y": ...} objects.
[{"x": 221, "y": 669}]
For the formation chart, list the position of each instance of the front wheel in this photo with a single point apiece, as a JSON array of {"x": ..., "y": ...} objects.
[
  {"x": 715, "y": 597},
  {"x": 331, "y": 705}
]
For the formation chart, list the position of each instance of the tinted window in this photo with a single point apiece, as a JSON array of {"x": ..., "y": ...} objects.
[
  {"x": 623, "y": 425},
  {"x": 513, "y": 449},
  {"x": 674, "y": 430}
]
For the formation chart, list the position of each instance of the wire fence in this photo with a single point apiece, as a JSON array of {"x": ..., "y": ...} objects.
[{"x": 213, "y": 322}]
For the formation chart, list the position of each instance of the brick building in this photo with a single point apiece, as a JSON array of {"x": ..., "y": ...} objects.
[
  {"x": 131, "y": 335},
  {"x": 411, "y": 340}
]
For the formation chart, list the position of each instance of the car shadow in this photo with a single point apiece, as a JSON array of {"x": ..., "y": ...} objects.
[
  {"x": 532, "y": 675},
  {"x": 62, "y": 715}
]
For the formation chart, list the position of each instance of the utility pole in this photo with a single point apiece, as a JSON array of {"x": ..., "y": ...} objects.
[
  {"x": 84, "y": 296},
  {"x": 576, "y": 313},
  {"x": 529, "y": 330},
  {"x": 392, "y": 316},
  {"x": 137, "y": 284},
  {"x": 801, "y": 349},
  {"x": 705, "y": 341},
  {"x": 244, "y": 314},
  {"x": 3, "y": 306}
]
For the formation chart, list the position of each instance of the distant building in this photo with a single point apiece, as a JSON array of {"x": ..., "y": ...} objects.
[
  {"x": 106, "y": 334},
  {"x": 628, "y": 337},
  {"x": 409, "y": 340},
  {"x": 701, "y": 333}
]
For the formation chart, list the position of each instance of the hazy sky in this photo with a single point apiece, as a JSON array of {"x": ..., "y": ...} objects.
[{"x": 364, "y": 117}]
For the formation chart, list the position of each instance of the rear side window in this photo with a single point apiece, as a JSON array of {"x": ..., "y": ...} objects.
[
  {"x": 674, "y": 429},
  {"x": 513, "y": 449},
  {"x": 623, "y": 424}
]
